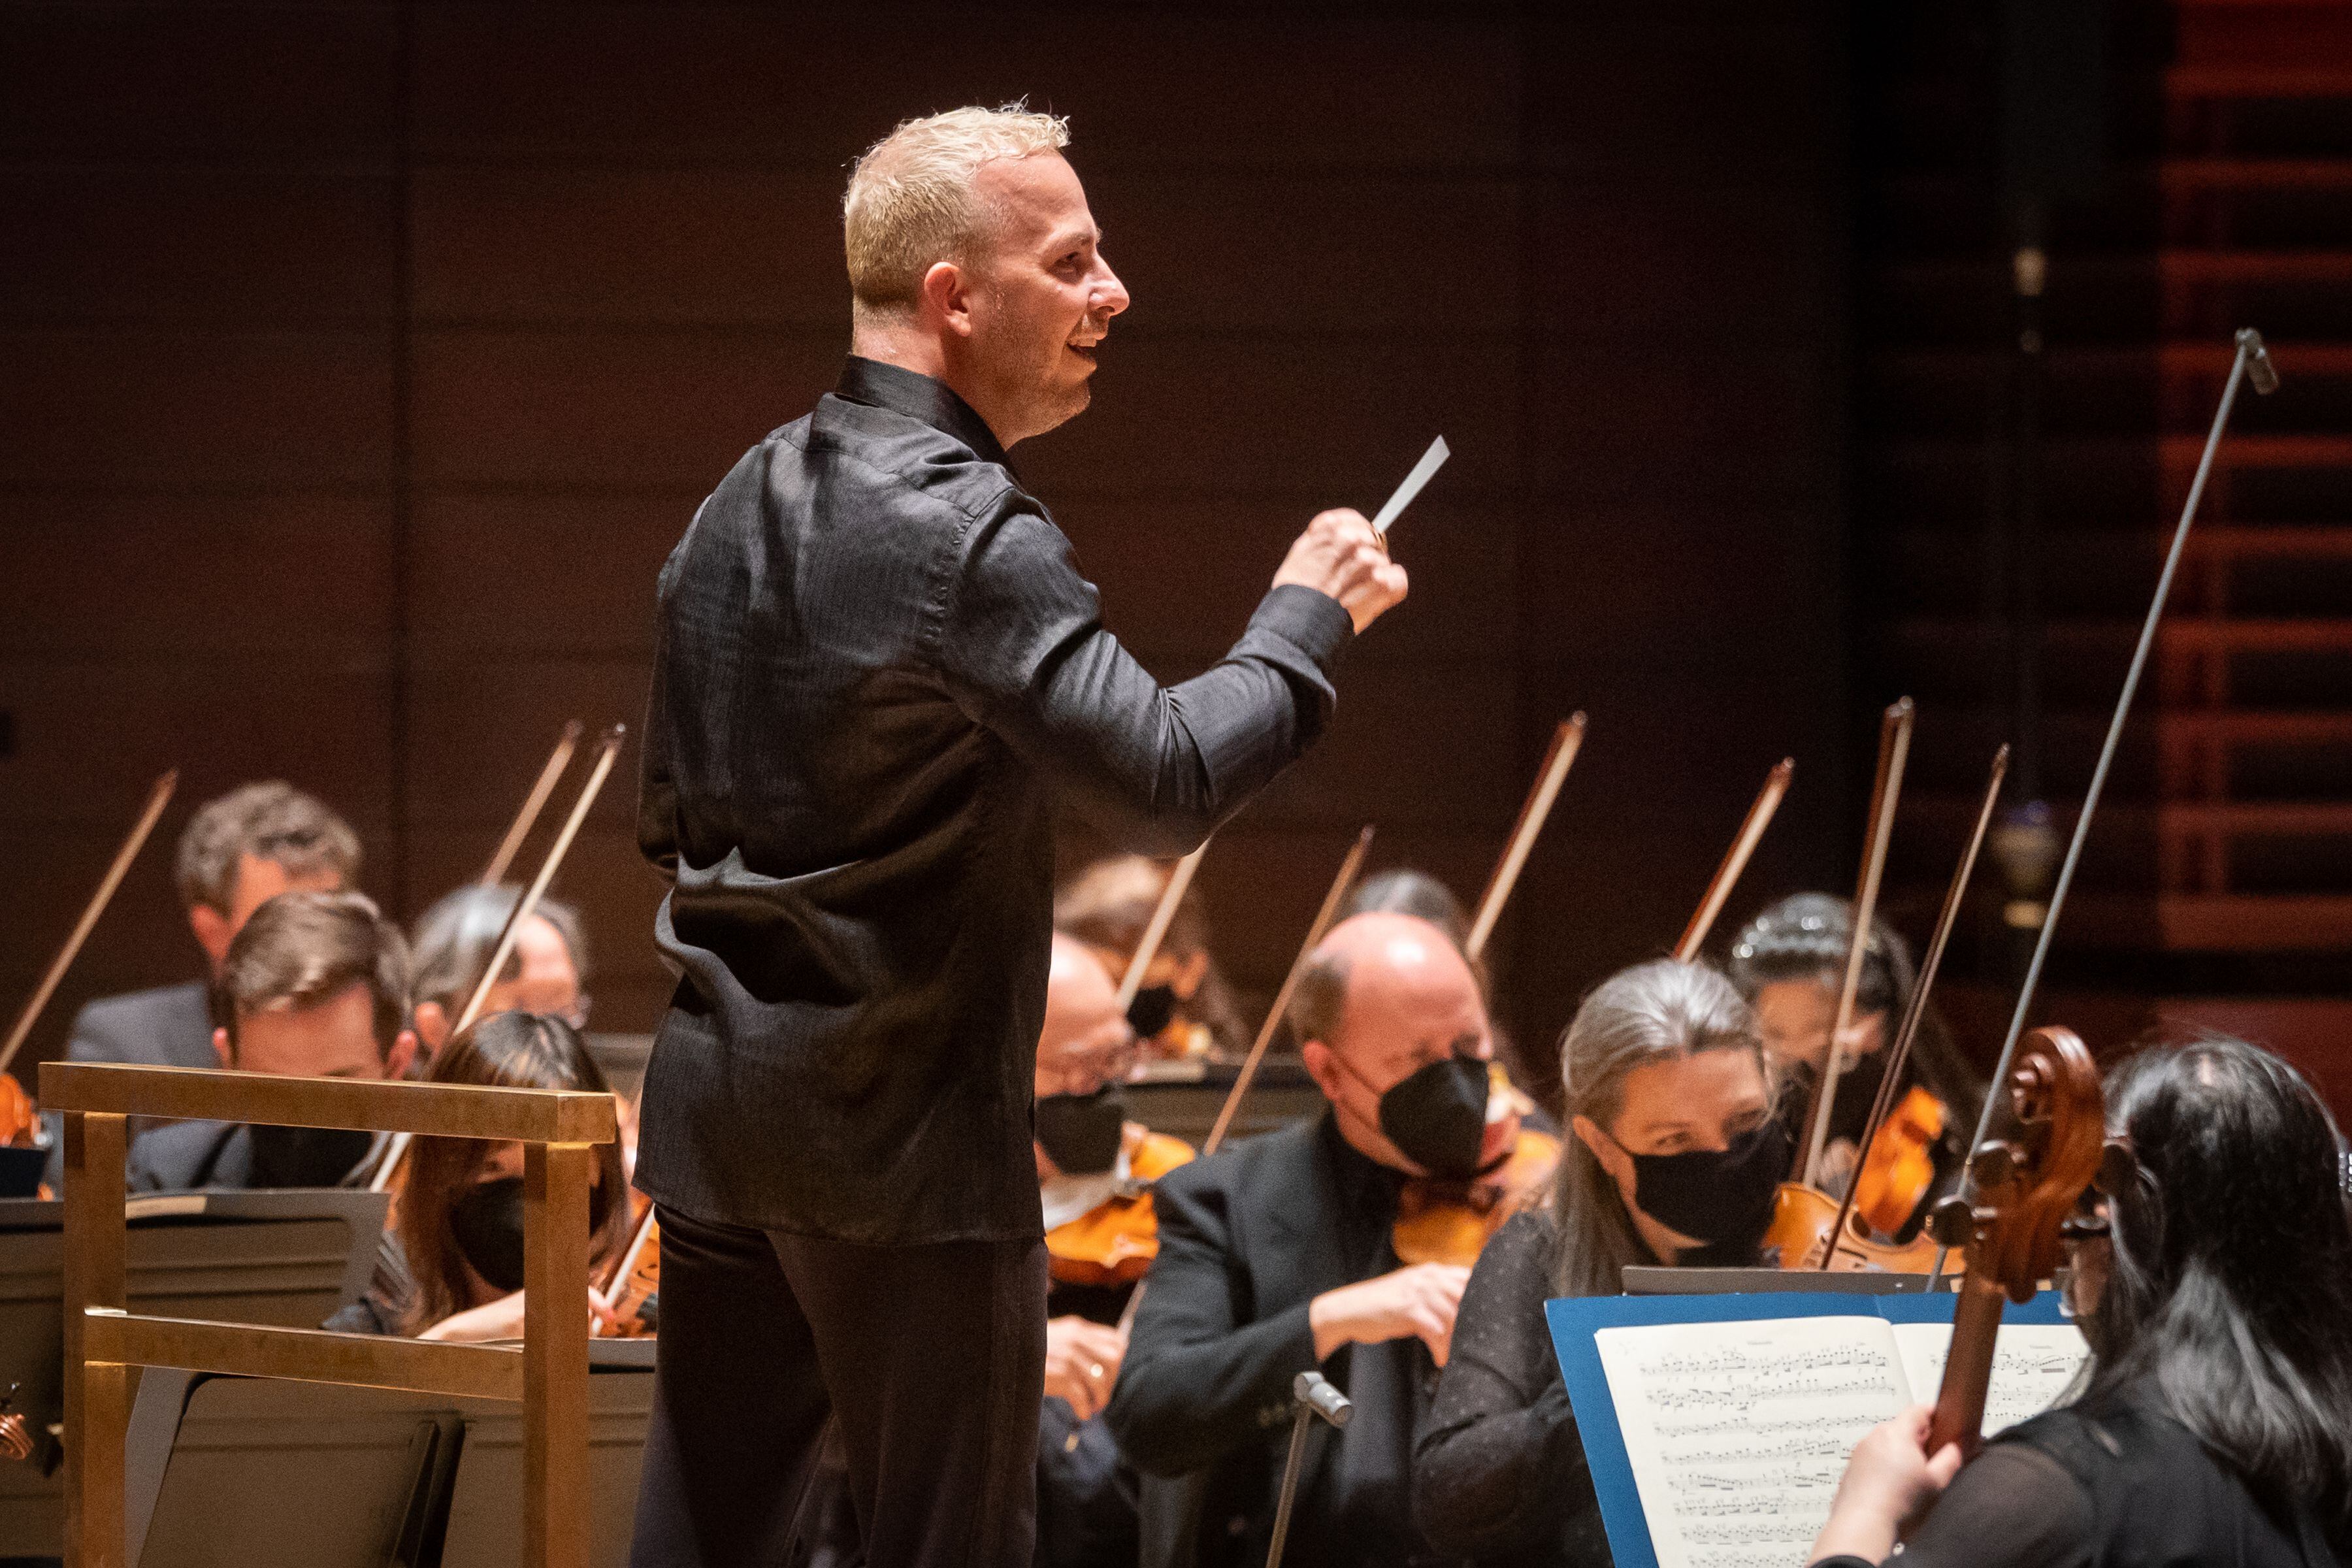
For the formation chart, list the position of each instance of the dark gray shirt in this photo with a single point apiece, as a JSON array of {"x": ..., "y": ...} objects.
[{"x": 878, "y": 671}]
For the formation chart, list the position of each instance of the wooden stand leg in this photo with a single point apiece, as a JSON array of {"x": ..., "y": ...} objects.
[
  {"x": 97, "y": 1395},
  {"x": 555, "y": 1354}
]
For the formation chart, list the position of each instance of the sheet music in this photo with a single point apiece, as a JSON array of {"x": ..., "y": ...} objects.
[
  {"x": 2032, "y": 1364},
  {"x": 1738, "y": 1432}
]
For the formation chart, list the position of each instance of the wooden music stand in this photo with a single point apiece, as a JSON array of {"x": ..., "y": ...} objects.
[{"x": 549, "y": 1375}]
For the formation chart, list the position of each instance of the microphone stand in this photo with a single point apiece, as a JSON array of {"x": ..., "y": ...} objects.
[
  {"x": 2253, "y": 363},
  {"x": 1314, "y": 1397}
]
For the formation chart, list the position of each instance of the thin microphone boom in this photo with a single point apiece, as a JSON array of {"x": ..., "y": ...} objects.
[{"x": 2249, "y": 352}]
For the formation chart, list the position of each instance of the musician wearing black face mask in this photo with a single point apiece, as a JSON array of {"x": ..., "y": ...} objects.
[
  {"x": 1673, "y": 1158},
  {"x": 1276, "y": 1257},
  {"x": 1091, "y": 1161},
  {"x": 452, "y": 1269}
]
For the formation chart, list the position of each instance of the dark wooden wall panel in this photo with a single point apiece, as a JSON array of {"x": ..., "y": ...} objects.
[{"x": 364, "y": 362}]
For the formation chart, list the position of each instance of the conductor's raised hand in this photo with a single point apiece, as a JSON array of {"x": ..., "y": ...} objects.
[{"x": 1341, "y": 556}]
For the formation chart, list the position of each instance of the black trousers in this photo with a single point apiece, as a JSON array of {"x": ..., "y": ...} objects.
[{"x": 921, "y": 1367}]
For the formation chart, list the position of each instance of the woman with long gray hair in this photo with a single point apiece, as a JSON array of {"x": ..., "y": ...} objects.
[{"x": 1673, "y": 1160}]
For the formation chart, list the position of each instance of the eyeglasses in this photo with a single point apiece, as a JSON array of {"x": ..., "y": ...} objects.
[{"x": 1083, "y": 1072}]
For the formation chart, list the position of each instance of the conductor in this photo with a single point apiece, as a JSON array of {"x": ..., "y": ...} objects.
[{"x": 878, "y": 671}]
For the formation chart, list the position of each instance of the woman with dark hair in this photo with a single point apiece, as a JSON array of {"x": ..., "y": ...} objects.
[
  {"x": 1789, "y": 962},
  {"x": 1673, "y": 1160},
  {"x": 2215, "y": 1424},
  {"x": 452, "y": 1268}
]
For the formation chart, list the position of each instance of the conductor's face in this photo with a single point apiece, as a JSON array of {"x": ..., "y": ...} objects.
[{"x": 1036, "y": 301}]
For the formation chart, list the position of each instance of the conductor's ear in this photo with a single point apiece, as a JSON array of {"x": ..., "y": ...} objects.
[{"x": 947, "y": 298}]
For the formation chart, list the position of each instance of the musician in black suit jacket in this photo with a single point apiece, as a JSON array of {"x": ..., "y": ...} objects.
[
  {"x": 236, "y": 853},
  {"x": 315, "y": 985},
  {"x": 1276, "y": 1258}
]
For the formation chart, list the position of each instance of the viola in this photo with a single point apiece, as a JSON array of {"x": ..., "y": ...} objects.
[
  {"x": 1450, "y": 1221},
  {"x": 2027, "y": 1185},
  {"x": 1115, "y": 1242}
]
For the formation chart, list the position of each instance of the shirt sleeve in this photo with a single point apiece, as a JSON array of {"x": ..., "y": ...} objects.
[
  {"x": 1022, "y": 647},
  {"x": 2012, "y": 1507},
  {"x": 1198, "y": 1381},
  {"x": 1498, "y": 1466}
]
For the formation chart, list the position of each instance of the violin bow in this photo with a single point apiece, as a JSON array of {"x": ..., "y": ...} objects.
[
  {"x": 557, "y": 761},
  {"x": 1898, "y": 1055},
  {"x": 1163, "y": 914},
  {"x": 1735, "y": 859},
  {"x": 1566, "y": 742},
  {"x": 1348, "y": 867},
  {"x": 2251, "y": 363},
  {"x": 158, "y": 797},
  {"x": 1894, "y": 750},
  {"x": 1315, "y": 932},
  {"x": 608, "y": 747}
]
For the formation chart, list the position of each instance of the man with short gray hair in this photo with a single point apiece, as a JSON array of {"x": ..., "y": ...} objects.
[
  {"x": 238, "y": 851},
  {"x": 877, "y": 672}
]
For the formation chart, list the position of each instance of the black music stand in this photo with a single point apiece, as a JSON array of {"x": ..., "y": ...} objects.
[
  {"x": 274, "y": 1474},
  {"x": 283, "y": 1257}
]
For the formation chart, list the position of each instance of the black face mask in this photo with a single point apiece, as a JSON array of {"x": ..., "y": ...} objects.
[
  {"x": 1151, "y": 1011},
  {"x": 487, "y": 1220},
  {"x": 1437, "y": 1116},
  {"x": 1081, "y": 1132},
  {"x": 1722, "y": 1198},
  {"x": 307, "y": 1156}
]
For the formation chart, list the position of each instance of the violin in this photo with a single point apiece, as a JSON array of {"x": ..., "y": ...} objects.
[
  {"x": 1803, "y": 1215},
  {"x": 2027, "y": 1185},
  {"x": 1441, "y": 1220},
  {"x": 632, "y": 1294},
  {"x": 20, "y": 1119},
  {"x": 1889, "y": 1185},
  {"x": 1895, "y": 1164},
  {"x": 1114, "y": 1242}
]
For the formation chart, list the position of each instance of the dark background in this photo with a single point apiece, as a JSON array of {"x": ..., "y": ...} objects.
[{"x": 359, "y": 363}]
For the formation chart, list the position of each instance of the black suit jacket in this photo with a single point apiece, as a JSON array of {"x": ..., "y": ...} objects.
[
  {"x": 169, "y": 1027},
  {"x": 1248, "y": 1237}
]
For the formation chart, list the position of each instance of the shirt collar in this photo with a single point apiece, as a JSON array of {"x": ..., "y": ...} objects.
[{"x": 922, "y": 398}]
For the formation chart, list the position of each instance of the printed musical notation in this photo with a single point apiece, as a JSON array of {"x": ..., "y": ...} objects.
[
  {"x": 1738, "y": 1431},
  {"x": 2033, "y": 1365}
]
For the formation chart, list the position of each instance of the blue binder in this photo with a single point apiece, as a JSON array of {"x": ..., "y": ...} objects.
[{"x": 1574, "y": 1321}]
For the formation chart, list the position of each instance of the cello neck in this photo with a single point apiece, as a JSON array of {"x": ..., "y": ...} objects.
[{"x": 1967, "y": 1368}]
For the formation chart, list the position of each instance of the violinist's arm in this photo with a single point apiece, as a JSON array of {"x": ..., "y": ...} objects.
[
  {"x": 1197, "y": 1381},
  {"x": 1022, "y": 646},
  {"x": 2012, "y": 1507}
]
